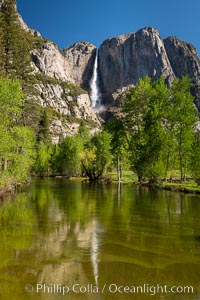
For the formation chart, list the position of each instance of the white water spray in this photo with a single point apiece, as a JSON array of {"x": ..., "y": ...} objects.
[{"x": 94, "y": 86}]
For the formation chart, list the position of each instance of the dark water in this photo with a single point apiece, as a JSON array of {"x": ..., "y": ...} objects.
[{"x": 90, "y": 237}]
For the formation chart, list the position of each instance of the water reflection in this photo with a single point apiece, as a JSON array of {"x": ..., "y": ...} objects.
[
  {"x": 94, "y": 253},
  {"x": 74, "y": 232}
]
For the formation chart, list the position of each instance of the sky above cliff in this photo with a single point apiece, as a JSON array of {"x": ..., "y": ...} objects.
[{"x": 66, "y": 22}]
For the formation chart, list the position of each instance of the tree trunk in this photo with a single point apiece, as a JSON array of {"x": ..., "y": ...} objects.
[{"x": 4, "y": 164}]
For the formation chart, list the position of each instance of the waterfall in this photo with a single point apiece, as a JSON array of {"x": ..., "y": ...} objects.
[{"x": 94, "y": 86}]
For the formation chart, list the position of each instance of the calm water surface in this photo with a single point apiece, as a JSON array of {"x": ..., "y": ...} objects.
[{"x": 62, "y": 233}]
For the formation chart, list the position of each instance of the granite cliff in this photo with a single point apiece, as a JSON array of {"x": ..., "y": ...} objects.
[
  {"x": 79, "y": 60},
  {"x": 127, "y": 58},
  {"x": 122, "y": 61},
  {"x": 184, "y": 60},
  {"x": 65, "y": 71},
  {"x": 63, "y": 77}
]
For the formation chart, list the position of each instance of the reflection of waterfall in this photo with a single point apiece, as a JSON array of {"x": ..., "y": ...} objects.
[
  {"x": 94, "y": 86},
  {"x": 94, "y": 255}
]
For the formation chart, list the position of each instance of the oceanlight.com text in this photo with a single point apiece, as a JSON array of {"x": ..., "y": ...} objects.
[{"x": 112, "y": 288}]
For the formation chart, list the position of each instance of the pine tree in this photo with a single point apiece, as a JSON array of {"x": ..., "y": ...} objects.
[
  {"x": 15, "y": 58},
  {"x": 43, "y": 131}
]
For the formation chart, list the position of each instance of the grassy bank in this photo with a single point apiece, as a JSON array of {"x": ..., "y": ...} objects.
[
  {"x": 127, "y": 176},
  {"x": 189, "y": 186},
  {"x": 185, "y": 187}
]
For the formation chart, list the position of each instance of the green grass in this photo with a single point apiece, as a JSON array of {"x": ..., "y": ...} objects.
[
  {"x": 127, "y": 176},
  {"x": 189, "y": 186},
  {"x": 186, "y": 186},
  {"x": 176, "y": 174}
]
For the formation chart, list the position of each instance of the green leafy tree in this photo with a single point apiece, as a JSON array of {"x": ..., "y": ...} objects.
[
  {"x": 97, "y": 156},
  {"x": 11, "y": 102},
  {"x": 160, "y": 126},
  {"x": 119, "y": 145},
  {"x": 155, "y": 131},
  {"x": 66, "y": 160},
  {"x": 43, "y": 158},
  {"x": 22, "y": 156},
  {"x": 183, "y": 117},
  {"x": 194, "y": 165},
  {"x": 134, "y": 108},
  {"x": 16, "y": 142},
  {"x": 84, "y": 134}
]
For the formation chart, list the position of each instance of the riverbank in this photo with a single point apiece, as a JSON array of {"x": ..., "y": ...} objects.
[
  {"x": 8, "y": 188},
  {"x": 188, "y": 186},
  {"x": 6, "y": 191}
]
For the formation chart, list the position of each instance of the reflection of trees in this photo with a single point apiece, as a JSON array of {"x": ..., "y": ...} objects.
[
  {"x": 16, "y": 228},
  {"x": 147, "y": 228},
  {"x": 16, "y": 220},
  {"x": 158, "y": 222},
  {"x": 74, "y": 231}
]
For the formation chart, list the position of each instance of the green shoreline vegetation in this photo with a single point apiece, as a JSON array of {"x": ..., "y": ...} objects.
[{"x": 154, "y": 133}]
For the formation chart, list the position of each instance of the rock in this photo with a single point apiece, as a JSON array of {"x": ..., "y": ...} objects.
[
  {"x": 184, "y": 60},
  {"x": 122, "y": 61},
  {"x": 56, "y": 73},
  {"x": 183, "y": 57},
  {"x": 26, "y": 28},
  {"x": 80, "y": 59},
  {"x": 50, "y": 62},
  {"x": 126, "y": 58},
  {"x": 74, "y": 64},
  {"x": 68, "y": 109},
  {"x": 56, "y": 97}
]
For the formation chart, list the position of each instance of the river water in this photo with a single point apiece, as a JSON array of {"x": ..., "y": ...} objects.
[{"x": 101, "y": 242}]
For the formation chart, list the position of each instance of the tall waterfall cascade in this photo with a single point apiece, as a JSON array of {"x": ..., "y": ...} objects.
[{"x": 95, "y": 95}]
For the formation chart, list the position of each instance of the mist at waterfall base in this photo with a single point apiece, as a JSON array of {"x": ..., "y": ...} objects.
[{"x": 95, "y": 94}]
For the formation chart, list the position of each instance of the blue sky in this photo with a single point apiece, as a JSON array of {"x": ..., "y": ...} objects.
[{"x": 66, "y": 22}]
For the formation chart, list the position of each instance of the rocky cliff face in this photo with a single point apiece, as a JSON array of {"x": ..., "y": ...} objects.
[
  {"x": 57, "y": 75},
  {"x": 49, "y": 61},
  {"x": 79, "y": 59},
  {"x": 184, "y": 60},
  {"x": 74, "y": 64},
  {"x": 26, "y": 28},
  {"x": 122, "y": 61},
  {"x": 125, "y": 59},
  {"x": 69, "y": 107}
]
